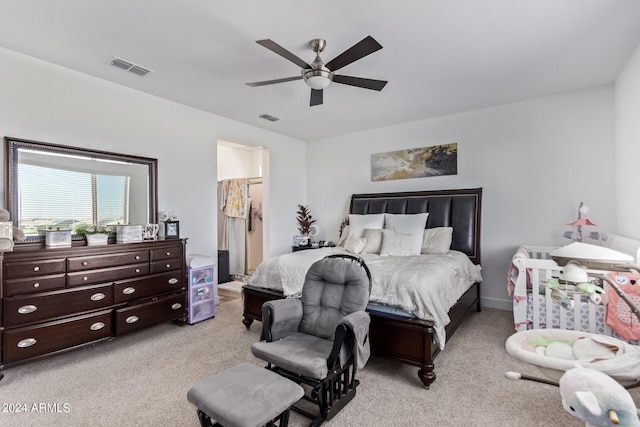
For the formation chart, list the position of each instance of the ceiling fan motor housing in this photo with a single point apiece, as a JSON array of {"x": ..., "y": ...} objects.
[{"x": 318, "y": 76}]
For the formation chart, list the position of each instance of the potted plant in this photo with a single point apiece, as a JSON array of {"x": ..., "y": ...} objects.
[
  {"x": 95, "y": 234},
  {"x": 305, "y": 221}
]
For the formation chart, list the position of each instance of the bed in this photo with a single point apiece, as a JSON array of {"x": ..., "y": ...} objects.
[{"x": 408, "y": 328}]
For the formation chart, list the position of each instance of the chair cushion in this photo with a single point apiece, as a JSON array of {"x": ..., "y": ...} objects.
[
  {"x": 299, "y": 353},
  {"x": 333, "y": 288}
]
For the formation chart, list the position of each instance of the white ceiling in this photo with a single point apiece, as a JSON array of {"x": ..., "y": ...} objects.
[{"x": 439, "y": 56}]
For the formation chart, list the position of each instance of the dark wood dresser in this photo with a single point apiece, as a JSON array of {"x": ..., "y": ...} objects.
[{"x": 57, "y": 299}]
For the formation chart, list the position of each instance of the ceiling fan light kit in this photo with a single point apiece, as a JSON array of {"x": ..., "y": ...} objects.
[
  {"x": 317, "y": 79},
  {"x": 319, "y": 75}
]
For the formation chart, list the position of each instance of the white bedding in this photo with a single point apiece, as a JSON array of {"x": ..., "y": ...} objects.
[{"x": 426, "y": 286}]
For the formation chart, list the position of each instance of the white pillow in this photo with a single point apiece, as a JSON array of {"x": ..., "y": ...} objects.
[
  {"x": 408, "y": 224},
  {"x": 437, "y": 240},
  {"x": 355, "y": 244},
  {"x": 374, "y": 241},
  {"x": 343, "y": 236},
  {"x": 400, "y": 244},
  {"x": 357, "y": 223}
]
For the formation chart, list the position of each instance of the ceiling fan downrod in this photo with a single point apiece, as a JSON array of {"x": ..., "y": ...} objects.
[{"x": 319, "y": 76}]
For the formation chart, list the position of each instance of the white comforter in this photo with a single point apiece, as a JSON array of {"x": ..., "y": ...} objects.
[{"x": 426, "y": 286}]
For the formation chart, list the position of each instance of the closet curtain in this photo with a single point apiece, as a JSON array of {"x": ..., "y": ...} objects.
[{"x": 232, "y": 214}]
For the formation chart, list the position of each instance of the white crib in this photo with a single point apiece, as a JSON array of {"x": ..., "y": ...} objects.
[{"x": 533, "y": 307}]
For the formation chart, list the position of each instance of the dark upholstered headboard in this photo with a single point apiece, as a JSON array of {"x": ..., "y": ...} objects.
[{"x": 459, "y": 209}]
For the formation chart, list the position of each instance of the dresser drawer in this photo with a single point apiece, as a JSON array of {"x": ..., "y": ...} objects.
[
  {"x": 142, "y": 316},
  {"x": 127, "y": 290},
  {"x": 166, "y": 265},
  {"x": 166, "y": 253},
  {"x": 22, "y": 269},
  {"x": 34, "y": 284},
  {"x": 24, "y": 343},
  {"x": 109, "y": 260},
  {"x": 102, "y": 275},
  {"x": 24, "y": 310}
]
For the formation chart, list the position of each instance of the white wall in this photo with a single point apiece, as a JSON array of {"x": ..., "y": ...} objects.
[
  {"x": 535, "y": 160},
  {"x": 45, "y": 102},
  {"x": 238, "y": 162},
  {"x": 233, "y": 163},
  {"x": 627, "y": 160}
]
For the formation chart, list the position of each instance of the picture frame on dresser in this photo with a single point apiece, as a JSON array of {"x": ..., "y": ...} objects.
[
  {"x": 150, "y": 232},
  {"x": 171, "y": 229}
]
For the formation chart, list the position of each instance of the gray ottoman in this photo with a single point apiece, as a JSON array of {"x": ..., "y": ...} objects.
[{"x": 244, "y": 396}]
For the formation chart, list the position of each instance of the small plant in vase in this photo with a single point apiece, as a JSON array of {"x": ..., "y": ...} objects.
[
  {"x": 95, "y": 234},
  {"x": 305, "y": 221}
]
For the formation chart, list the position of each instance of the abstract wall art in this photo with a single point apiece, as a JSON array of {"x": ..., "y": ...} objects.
[{"x": 415, "y": 163}]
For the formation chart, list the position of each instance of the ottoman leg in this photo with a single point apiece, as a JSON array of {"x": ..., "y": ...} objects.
[
  {"x": 205, "y": 420},
  {"x": 284, "y": 418}
]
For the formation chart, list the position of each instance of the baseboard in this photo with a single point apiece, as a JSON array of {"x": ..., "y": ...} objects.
[{"x": 499, "y": 304}]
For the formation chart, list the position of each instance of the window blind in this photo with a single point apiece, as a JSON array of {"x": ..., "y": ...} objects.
[{"x": 78, "y": 197}]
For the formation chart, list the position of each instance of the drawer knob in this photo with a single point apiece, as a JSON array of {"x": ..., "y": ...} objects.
[
  {"x": 168, "y": 253},
  {"x": 137, "y": 270},
  {"x": 85, "y": 263},
  {"x": 137, "y": 256},
  {"x": 173, "y": 281},
  {"x": 97, "y": 326},
  {"x": 36, "y": 268},
  {"x": 26, "y": 309},
  {"x": 36, "y": 285},
  {"x": 168, "y": 265},
  {"x": 97, "y": 296},
  {"x": 131, "y": 319},
  {"x": 176, "y": 306},
  {"x": 27, "y": 342},
  {"x": 129, "y": 290},
  {"x": 85, "y": 278}
]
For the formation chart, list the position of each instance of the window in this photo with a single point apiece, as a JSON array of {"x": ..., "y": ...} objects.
[{"x": 77, "y": 197}]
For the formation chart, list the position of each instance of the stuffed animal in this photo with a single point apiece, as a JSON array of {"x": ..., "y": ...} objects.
[
  {"x": 6, "y": 243},
  {"x": 597, "y": 399},
  {"x": 560, "y": 295}
]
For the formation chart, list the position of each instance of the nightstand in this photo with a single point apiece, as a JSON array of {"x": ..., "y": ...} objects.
[{"x": 302, "y": 248}]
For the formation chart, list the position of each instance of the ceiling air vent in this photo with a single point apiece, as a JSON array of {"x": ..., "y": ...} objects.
[
  {"x": 130, "y": 66},
  {"x": 269, "y": 117}
]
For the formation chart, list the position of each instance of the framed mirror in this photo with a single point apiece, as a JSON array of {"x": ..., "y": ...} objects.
[{"x": 51, "y": 187}]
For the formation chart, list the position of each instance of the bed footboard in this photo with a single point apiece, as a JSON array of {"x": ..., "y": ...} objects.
[
  {"x": 409, "y": 341},
  {"x": 253, "y": 299}
]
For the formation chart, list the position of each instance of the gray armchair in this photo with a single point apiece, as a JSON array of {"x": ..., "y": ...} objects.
[{"x": 322, "y": 338}]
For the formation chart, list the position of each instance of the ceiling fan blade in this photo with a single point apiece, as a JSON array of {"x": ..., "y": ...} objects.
[
  {"x": 270, "y": 82},
  {"x": 359, "y": 50},
  {"x": 360, "y": 82},
  {"x": 316, "y": 97},
  {"x": 275, "y": 47}
]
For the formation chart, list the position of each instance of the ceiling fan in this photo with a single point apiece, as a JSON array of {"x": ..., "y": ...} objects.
[{"x": 319, "y": 75}]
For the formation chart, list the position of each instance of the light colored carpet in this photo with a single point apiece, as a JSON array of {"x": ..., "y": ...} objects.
[
  {"x": 142, "y": 380},
  {"x": 234, "y": 286}
]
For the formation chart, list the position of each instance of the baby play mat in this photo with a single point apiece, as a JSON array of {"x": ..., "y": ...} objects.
[{"x": 555, "y": 351}]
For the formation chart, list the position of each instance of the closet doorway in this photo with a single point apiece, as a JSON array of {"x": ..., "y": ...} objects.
[{"x": 242, "y": 207}]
